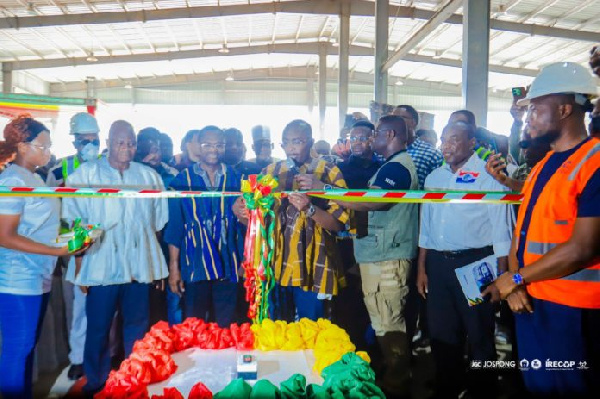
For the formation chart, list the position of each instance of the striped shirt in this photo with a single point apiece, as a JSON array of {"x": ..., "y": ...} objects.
[
  {"x": 206, "y": 231},
  {"x": 306, "y": 254}
]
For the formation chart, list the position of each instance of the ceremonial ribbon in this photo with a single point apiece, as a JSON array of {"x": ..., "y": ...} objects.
[
  {"x": 372, "y": 195},
  {"x": 259, "y": 244}
]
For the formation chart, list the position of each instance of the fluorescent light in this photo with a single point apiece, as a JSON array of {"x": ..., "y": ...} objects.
[
  {"x": 229, "y": 78},
  {"x": 399, "y": 83},
  {"x": 91, "y": 58},
  {"x": 224, "y": 50},
  {"x": 128, "y": 86}
]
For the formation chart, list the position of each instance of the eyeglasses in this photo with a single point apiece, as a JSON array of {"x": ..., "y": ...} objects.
[
  {"x": 212, "y": 146},
  {"x": 83, "y": 143},
  {"x": 360, "y": 139},
  {"x": 286, "y": 143},
  {"x": 41, "y": 147}
]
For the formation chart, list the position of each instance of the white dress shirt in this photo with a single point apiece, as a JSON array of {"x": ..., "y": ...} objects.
[
  {"x": 129, "y": 249},
  {"x": 454, "y": 227}
]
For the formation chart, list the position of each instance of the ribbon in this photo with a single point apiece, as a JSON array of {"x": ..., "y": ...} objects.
[
  {"x": 372, "y": 195},
  {"x": 81, "y": 235},
  {"x": 259, "y": 244}
]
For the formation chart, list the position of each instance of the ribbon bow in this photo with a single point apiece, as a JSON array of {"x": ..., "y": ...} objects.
[{"x": 259, "y": 244}]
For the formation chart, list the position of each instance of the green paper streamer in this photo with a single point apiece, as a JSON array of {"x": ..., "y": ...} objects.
[
  {"x": 237, "y": 389},
  {"x": 294, "y": 387},
  {"x": 264, "y": 389}
]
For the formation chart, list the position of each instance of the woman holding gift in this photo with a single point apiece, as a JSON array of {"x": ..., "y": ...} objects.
[{"x": 27, "y": 224}]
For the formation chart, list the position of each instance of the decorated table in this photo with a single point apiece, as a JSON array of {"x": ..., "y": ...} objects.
[{"x": 268, "y": 359}]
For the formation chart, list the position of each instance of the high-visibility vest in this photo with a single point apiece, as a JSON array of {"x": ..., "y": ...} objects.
[
  {"x": 69, "y": 165},
  {"x": 552, "y": 220},
  {"x": 483, "y": 153}
]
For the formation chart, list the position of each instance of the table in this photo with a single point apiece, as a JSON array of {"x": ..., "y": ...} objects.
[{"x": 217, "y": 368}]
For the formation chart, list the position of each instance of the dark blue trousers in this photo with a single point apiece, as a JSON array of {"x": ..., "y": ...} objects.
[
  {"x": 285, "y": 303},
  {"x": 452, "y": 322},
  {"x": 211, "y": 300},
  {"x": 560, "y": 333},
  {"x": 132, "y": 301},
  {"x": 21, "y": 319}
]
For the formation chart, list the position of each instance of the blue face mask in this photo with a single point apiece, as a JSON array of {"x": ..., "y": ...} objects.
[{"x": 90, "y": 152}]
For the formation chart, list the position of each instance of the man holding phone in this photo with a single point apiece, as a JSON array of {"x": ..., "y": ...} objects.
[{"x": 517, "y": 113}]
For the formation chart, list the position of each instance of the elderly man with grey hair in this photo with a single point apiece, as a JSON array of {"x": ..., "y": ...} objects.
[{"x": 118, "y": 270}]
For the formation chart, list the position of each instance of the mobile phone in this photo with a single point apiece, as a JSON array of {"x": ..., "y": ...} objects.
[{"x": 518, "y": 93}]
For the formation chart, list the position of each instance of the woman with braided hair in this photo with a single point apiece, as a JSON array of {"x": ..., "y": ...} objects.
[{"x": 27, "y": 224}]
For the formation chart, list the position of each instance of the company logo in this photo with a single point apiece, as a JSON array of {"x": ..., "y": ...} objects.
[
  {"x": 524, "y": 364},
  {"x": 466, "y": 177},
  {"x": 475, "y": 364},
  {"x": 561, "y": 364},
  {"x": 390, "y": 182},
  {"x": 536, "y": 364},
  {"x": 583, "y": 365}
]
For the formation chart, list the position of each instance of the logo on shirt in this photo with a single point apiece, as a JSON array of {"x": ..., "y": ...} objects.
[
  {"x": 390, "y": 182},
  {"x": 466, "y": 177}
]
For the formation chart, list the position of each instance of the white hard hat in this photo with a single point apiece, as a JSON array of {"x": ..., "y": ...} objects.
[
  {"x": 83, "y": 123},
  {"x": 562, "y": 78}
]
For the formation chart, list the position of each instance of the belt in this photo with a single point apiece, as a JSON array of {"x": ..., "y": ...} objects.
[{"x": 467, "y": 252}]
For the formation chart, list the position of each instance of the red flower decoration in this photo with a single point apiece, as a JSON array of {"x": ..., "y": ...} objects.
[
  {"x": 200, "y": 391},
  {"x": 169, "y": 393}
]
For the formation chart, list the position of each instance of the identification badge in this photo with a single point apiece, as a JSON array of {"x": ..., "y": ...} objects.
[{"x": 467, "y": 177}]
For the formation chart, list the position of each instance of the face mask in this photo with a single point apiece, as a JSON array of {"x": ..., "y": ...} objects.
[{"x": 90, "y": 152}]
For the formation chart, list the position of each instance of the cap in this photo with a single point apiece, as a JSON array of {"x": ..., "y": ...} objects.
[{"x": 261, "y": 132}]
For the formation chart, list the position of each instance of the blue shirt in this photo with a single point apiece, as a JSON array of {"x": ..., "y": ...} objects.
[
  {"x": 21, "y": 272},
  {"x": 426, "y": 158},
  {"x": 588, "y": 200},
  {"x": 209, "y": 236}
]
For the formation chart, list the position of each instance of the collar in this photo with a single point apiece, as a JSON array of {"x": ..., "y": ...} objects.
[
  {"x": 394, "y": 154},
  {"x": 362, "y": 162},
  {"x": 470, "y": 164},
  {"x": 199, "y": 171}
]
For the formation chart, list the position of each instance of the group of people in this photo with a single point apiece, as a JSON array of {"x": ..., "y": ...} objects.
[{"x": 369, "y": 266}]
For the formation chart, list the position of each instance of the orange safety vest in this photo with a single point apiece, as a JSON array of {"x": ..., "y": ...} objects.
[{"x": 552, "y": 221}]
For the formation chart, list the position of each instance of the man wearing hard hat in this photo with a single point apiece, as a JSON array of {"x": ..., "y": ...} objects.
[
  {"x": 553, "y": 283},
  {"x": 84, "y": 128}
]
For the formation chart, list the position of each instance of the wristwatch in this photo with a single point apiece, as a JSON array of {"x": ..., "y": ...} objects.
[
  {"x": 518, "y": 279},
  {"x": 310, "y": 211}
]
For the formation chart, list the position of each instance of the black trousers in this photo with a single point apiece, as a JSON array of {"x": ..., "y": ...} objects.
[{"x": 452, "y": 322}]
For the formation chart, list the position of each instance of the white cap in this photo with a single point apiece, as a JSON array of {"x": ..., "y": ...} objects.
[
  {"x": 83, "y": 123},
  {"x": 562, "y": 78}
]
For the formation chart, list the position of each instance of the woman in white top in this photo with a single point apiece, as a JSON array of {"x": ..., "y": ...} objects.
[{"x": 27, "y": 226}]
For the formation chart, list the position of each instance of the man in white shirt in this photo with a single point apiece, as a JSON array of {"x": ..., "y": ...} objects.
[
  {"x": 124, "y": 262},
  {"x": 452, "y": 236}
]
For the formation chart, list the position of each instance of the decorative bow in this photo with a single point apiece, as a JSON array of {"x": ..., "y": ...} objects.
[{"x": 259, "y": 244}]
